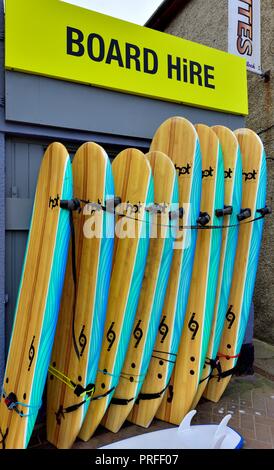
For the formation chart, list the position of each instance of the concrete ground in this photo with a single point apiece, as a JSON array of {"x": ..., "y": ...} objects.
[{"x": 249, "y": 399}]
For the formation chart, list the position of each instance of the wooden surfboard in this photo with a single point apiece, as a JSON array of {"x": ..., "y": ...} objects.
[
  {"x": 178, "y": 139},
  {"x": 134, "y": 185},
  {"x": 233, "y": 199},
  {"x": 79, "y": 332},
  {"x": 152, "y": 294},
  {"x": 38, "y": 301},
  {"x": 197, "y": 326},
  {"x": 246, "y": 262}
]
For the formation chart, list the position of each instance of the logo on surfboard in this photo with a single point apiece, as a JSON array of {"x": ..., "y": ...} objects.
[
  {"x": 138, "y": 333},
  {"x": 230, "y": 316},
  {"x": 82, "y": 341},
  {"x": 228, "y": 173},
  {"x": 31, "y": 353},
  {"x": 183, "y": 170},
  {"x": 163, "y": 329},
  {"x": 208, "y": 172},
  {"x": 111, "y": 336},
  {"x": 193, "y": 326},
  {"x": 251, "y": 175},
  {"x": 54, "y": 202}
]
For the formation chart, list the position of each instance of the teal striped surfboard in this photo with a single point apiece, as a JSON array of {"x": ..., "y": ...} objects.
[
  {"x": 38, "y": 301},
  {"x": 134, "y": 184},
  {"x": 254, "y": 180},
  {"x": 199, "y": 314}
]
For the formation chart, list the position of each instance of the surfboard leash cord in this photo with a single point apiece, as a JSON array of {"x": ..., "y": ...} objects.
[
  {"x": 216, "y": 364},
  {"x": 202, "y": 221},
  {"x": 12, "y": 404},
  {"x": 77, "y": 389}
]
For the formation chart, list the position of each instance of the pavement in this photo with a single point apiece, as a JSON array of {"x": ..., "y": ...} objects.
[{"x": 249, "y": 399}]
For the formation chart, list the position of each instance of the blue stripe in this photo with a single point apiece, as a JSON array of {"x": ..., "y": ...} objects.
[
  {"x": 214, "y": 261},
  {"x": 253, "y": 258},
  {"x": 187, "y": 257},
  {"x": 160, "y": 291},
  {"x": 52, "y": 304},
  {"x": 231, "y": 246},
  {"x": 134, "y": 294},
  {"x": 102, "y": 286}
]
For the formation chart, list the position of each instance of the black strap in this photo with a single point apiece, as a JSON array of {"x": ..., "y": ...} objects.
[
  {"x": 121, "y": 401},
  {"x": 103, "y": 395},
  {"x": 74, "y": 276},
  {"x": 151, "y": 396},
  {"x": 214, "y": 364},
  {"x": 4, "y": 438},
  {"x": 226, "y": 373},
  {"x": 72, "y": 206},
  {"x": 79, "y": 390}
]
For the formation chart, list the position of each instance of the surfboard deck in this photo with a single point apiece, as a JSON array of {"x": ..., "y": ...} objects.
[
  {"x": 233, "y": 198},
  {"x": 80, "y": 327},
  {"x": 195, "y": 336},
  {"x": 178, "y": 139},
  {"x": 246, "y": 262},
  {"x": 152, "y": 293},
  {"x": 38, "y": 300},
  {"x": 134, "y": 185}
]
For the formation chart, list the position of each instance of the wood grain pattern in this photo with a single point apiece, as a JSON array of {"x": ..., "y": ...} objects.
[
  {"x": 198, "y": 319},
  {"x": 152, "y": 293},
  {"x": 90, "y": 174},
  {"x": 177, "y": 138},
  {"x": 246, "y": 261},
  {"x": 133, "y": 183},
  {"x": 233, "y": 198},
  {"x": 38, "y": 297}
]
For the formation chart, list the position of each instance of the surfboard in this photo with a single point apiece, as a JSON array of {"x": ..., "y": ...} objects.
[
  {"x": 233, "y": 199},
  {"x": 134, "y": 185},
  {"x": 153, "y": 291},
  {"x": 38, "y": 301},
  {"x": 254, "y": 182},
  {"x": 178, "y": 139},
  {"x": 205, "y": 436},
  {"x": 199, "y": 313},
  {"x": 80, "y": 326}
]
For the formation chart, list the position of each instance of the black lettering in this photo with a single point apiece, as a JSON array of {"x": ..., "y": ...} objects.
[
  {"x": 100, "y": 46},
  {"x": 133, "y": 53},
  {"x": 114, "y": 53},
  {"x": 208, "y": 76},
  {"x": 172, "y": 67},
  {"x": 195, "y": 71},
  {"x": 154, "y": 66},
  {"x": 75, "y": 41},
  {"x": 185, "y": 70}
]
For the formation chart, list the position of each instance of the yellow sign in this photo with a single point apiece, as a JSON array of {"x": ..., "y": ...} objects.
[{"x": 56, "y": 39}]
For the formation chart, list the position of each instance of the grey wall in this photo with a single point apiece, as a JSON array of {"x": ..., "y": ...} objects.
[
  {"x": 49, "y": 102},
  {"x": 203, "y": 21}
]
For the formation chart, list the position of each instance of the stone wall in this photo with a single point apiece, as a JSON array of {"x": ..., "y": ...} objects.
[{"x": 206, "y": 22}]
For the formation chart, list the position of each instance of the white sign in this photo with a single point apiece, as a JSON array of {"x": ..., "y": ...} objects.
[{"x": 244, "y": 32}]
